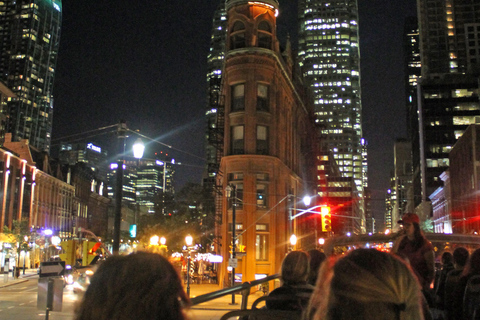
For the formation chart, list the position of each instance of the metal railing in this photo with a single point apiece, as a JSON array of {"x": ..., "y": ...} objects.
[{"x": 244, "y": 288}]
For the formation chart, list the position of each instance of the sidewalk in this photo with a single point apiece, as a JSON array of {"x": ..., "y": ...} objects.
[
  {"x": 223, "y": 303},
  {"x": 10, "y": 281}
]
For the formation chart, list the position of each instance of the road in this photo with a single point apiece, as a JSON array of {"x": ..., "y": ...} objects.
[{"x": 19, "y": 302}]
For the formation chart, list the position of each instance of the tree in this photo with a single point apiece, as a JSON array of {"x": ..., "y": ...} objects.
[
  {"x": 182, "y": 215},
  {"x": 20, "y": 230}
]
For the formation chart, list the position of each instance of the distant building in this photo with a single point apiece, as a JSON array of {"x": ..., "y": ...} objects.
[
  {"x": 402, "y": 181},
  {"x": 268, "y": 147},
  {"x": 5, "y": 96},
  {"x": 29, "y": 42},
  {"x": 31, "y": 191},
  {"x": 448, "y": 104},
  {"x": 338, "y": 193},
  {"x": 465, "y": 182},
  {"x": 94, "y": 156},
  {"x": 329, "y": 58},
  {"x": 215, "y": 100},
  {"x": 449, "y": 37},
  {"x": 153, "y": 178},
  {"x": 413, "y": 70},
  {"x": 441, "y": 206}
]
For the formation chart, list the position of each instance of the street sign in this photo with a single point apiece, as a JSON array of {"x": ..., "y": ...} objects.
[
  {"x": 52, "y": 269},
  {"x": 240, "y": 254},
  {"x": 232, "y": 262}
]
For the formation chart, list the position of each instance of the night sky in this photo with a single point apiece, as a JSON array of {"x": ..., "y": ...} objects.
[{"x": 145, "y": 62}]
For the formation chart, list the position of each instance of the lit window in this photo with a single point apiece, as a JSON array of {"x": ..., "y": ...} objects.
[
  {"x": 261, "y": 195},
  {"x": 238, "y": 140},
  {"x": 262, "y": 140},
  {"x": 262, "y": 97},
  {"x": 238, "y": 97}
]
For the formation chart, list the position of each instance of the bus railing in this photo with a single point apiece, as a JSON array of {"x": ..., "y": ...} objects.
[{"x": 244, "y": 288}]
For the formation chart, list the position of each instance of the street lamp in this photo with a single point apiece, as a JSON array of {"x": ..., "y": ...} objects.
[
  {"x": 188, "y": 241},
  {"x": 138, "y": 149},
  {"x": 232, "y": 193},
  {"x": 138, "y": 153},
  {"x": 154, "y": 240},
  {"x": 293, "y": 241}
]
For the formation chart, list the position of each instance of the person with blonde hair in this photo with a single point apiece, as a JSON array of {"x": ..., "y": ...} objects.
[
  {"x": 140, "y": 286},
  {"x": 366, "y": 284}
]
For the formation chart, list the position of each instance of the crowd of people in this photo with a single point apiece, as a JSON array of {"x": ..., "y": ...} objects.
[{"x": 362, "y": 284}]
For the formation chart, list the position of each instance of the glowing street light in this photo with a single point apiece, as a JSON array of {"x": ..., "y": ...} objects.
[
  {"x": 188, "y": 240},
  {"x": 138, "y": 148},
  {"x": 163, "y": 241},
  {"x": 154, "y": 240},
  {"x": 293, "y": 240}
]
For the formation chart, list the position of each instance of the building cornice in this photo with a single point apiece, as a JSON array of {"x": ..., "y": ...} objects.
[{"x": 270, "y": 3}]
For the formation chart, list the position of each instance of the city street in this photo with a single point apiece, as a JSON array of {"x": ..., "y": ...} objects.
[{"x": 18, "y": 300}]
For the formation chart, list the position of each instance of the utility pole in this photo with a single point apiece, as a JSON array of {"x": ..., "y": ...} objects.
[{"x": 121, "y": 135}]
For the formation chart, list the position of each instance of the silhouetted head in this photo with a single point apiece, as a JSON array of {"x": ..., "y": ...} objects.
[
  {"x": 295, "y": 268},
  {"x": 316, "y": 259},
  {"x": 447, "y": 258},
  {"x": 473, "y": 264},
  {"x": 460, "y": 256},
  {"x": 138, "y": 286}
]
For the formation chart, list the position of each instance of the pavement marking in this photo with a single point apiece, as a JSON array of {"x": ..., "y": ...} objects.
[
  {"x": 11, "y": 307},
  {"x": 21, "y": 304}
]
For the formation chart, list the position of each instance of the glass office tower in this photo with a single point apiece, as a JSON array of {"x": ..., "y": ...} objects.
[
  {"x": 214, "y": 112},
  {"x": 329, "y": 57},
  {"x": 29, "y": 41}
]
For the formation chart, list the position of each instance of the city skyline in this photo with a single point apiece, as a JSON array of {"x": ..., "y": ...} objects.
[{"x": 147, "y": 60}]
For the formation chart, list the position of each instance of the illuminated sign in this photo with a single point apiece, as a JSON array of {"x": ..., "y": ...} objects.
[
  {"x": 93, "y": 147},
  {"x": 133, "y": 230},
  {"x": 159, "y": 163}
]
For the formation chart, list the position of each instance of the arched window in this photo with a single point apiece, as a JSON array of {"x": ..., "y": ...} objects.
[
  {"x": 237, "y": 36},
  {"x": 264, "y": 35}
]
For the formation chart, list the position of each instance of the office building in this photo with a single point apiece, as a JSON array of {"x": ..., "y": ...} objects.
[
  {"x": 448, "y": 104},
  {"x": 94, "y": 156},
  {"x": 29, "y": 41},
  {"x": 215, "y": 102},
  {"x": 398, "y": 198},
  {"x": 153, "y": 178},
  {"x": 329, "y": 57},
  {"x": 464, "y": 183},
  {"x": 413, "y": 70},
  {"x": 448, "y": 89},
  {"x": 449, "y": 36},
  {"x": 268, "y": 155}
]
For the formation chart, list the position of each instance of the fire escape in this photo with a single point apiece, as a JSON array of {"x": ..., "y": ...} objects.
[{"x": 216, "y": 140}]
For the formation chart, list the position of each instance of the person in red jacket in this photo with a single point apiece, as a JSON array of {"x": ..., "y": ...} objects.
[{"x": 417, "y": 250}]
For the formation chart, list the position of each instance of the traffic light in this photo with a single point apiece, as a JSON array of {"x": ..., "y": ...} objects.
[{"x": 326, "y": 219}]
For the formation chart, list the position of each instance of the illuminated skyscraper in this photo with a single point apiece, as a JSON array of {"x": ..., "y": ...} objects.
[
  {"x": 449, "y": 36},
  {"x": 448, "y": 89},
  {"x": 329, "y": 58},
  {"x": 215, "y": 109},
  {"x": 29, "y": 40}
]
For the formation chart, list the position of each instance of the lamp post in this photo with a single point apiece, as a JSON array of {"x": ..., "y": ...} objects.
[
  {"x": 232, "y": 193},
  {"x": 138, "y": 149},
  {"x": 121, "y": 135},
  {"x": 188, "y": 241}
]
